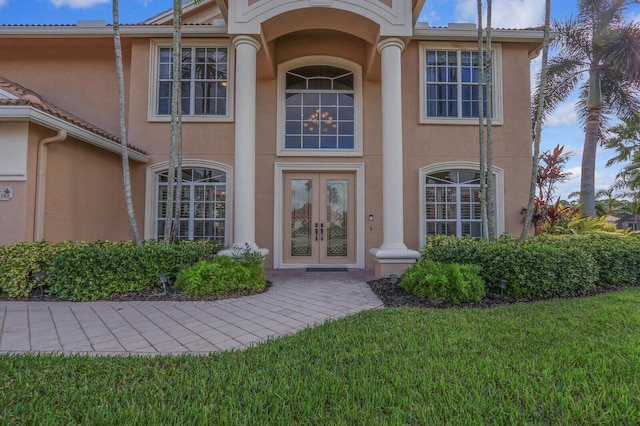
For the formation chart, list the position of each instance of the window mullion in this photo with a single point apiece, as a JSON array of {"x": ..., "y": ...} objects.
[{"x": 459, "y": 82}]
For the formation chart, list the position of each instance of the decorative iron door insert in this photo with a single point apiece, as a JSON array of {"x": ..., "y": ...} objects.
[{"x": 319, "y": 218}]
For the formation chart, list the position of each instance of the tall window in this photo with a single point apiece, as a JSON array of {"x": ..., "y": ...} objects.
[
  {"x": 452, "y": 203},
  {"x": 204, "y": 81},
  {"x": 320, "y": 108},
  {"x": 203, "y": 208},
  {"x": 450, "y": 90}
]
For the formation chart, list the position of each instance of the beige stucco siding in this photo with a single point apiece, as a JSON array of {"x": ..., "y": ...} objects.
[
  {"x": 77, "y": 75},
  {"x": 85, "y": 196}
]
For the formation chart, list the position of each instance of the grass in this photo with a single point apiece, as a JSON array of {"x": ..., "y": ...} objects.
[{"x": 571, "y": 361}]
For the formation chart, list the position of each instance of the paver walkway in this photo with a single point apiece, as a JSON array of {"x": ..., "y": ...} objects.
[{"x": 296, "y": 300}]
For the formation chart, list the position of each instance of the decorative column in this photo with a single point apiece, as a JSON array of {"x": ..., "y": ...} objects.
[
  {"x": 244, "y": 212},
  {"x": 392, "y": 257}
]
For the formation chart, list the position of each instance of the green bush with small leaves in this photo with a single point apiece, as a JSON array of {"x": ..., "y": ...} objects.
[
  {"x": 535, "y": 269},
  {"x": 221, "y": 275},
  {"x": 446, "y": 282},
  {"x": 101, "y": 269},
  {"x": 19, "y": 262}
]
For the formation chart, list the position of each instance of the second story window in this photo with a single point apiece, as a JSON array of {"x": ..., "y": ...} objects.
[{"x": 204, "y": 80}]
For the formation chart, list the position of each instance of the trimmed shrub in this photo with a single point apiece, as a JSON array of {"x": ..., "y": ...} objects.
[
  {"x": 618, "y": 256},
  {"x": 20, "y": 261},
  {"x": 101, "y": 269},
  {"x": 447, "y": 282},
  {"x": 221, "y": 275},
  {"x": 534, "y": 269}
]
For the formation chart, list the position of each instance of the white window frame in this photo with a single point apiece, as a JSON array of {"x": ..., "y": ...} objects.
[
  {"x": 498, "y": 176},
  {"x": 357, "y": 86},
  {"x": 498, "y": 116},
  {"x": 151, "y": 194},
  {"x": 154, "y": 57}
]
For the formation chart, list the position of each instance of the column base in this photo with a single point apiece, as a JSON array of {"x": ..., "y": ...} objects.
[{"x": 388, "y": 262}]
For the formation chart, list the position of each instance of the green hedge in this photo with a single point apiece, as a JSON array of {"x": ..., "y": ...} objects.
[
  {"x": 20, "y": 261},
  {"x": 101, "y": 269},
  {"x": 447, "y": 282},
  {"x": 534, "y": 270},
  {"x": 221, "y": 275},
  {"x": 618, "y": 256},
  {"x": 89, "y": 271}
]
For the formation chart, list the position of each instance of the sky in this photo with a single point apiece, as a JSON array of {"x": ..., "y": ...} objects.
[{"x": 562, "y": 127}]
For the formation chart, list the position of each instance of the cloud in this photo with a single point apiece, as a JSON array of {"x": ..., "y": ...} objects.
[
  {"x": 2, "y": 2},
  {"x": 77, "y": 4},
  {"x": 564, "y": 115},
  {"x": 505, "y": 13}
]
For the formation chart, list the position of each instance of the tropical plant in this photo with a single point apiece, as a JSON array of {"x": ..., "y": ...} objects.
[
  {"x": 124, "y": 149},
  {"x": 626, "y": 139},
  {"x": 605, "y": 47}
]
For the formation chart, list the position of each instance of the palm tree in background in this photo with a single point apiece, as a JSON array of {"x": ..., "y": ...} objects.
[{"x": 602, "y": 46}]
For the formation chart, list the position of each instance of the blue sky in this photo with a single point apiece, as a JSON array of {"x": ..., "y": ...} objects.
[{"x": 562, "y": 128}]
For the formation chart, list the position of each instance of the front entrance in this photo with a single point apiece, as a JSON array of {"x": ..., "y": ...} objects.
[{"x": 319, "y": 220}]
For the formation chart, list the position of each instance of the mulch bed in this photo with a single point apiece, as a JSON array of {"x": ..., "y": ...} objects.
[{"x": 395, "y": 296}]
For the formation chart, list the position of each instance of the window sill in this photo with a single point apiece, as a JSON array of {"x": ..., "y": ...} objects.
[
  {"x": 458, "y": 121},
  {"x": 192, "y": 119}
]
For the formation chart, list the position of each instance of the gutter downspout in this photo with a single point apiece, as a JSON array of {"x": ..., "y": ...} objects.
[{"x": 41, "y": 182}]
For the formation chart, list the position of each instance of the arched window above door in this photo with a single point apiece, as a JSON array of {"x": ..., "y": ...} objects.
[{"x": 319, "y": 111}]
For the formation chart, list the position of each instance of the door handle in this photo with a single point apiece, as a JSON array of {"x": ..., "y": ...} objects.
[
  {"x": 321, "y": 232},
  {"x": 316, "y": 232}
]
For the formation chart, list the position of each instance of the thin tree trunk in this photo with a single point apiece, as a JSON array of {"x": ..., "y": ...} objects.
[
  {"x": 538, "y": 122},
  {"x": 481, "y": 144},
  {"x": 126, "y": 175},
  {"x": 594, "y": 116},
  {"x": 176, "y": 120},
  {"x": 176, "y": 99},
  {"x": 491, "y": 214}
]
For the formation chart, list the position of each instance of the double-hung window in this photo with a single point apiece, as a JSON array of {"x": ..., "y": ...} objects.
[
  {"x": 450, "y": 84},
  {"x": 206, "y": 72}
]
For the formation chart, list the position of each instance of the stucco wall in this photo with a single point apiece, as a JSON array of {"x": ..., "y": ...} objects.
[{"x": 85, "y": 195}]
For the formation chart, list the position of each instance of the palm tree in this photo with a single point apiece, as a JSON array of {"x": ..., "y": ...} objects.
[
  {"x": 123, "y": 128},
  {"x": 602, "y": 45},
  {"x": 537, "y": 122}
]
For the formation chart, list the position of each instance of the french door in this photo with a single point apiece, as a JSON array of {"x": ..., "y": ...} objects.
[{"x": 319, "y": 218}]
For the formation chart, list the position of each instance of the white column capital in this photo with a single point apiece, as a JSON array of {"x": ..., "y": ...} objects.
[
  {"x": 245, "y": 39},
  {"x": 389, "y": 42}
]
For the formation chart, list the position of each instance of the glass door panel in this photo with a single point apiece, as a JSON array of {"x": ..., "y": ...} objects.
[{"x": 301, "y": 207}]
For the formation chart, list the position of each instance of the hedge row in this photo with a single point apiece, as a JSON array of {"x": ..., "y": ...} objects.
[
  {"x": 90, "y": 271},
  {"x": 534, "y": 269}
]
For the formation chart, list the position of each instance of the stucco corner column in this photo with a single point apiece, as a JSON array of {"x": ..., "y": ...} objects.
[
  {"x": 393, "y": 256},
  {"x": 244, "y": 212}
]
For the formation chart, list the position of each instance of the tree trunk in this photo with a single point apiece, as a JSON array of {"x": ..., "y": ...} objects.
[
  {"x": 126, "y": 176},
  {"x": 481, "y": 140},
  {"x": 176, "y": 121},
  {"x": 538, "y": 122},
  {"x": 176, "y": 99},
  {"x": 491, "y": 211},
  {"x": 594, "y": 117}
]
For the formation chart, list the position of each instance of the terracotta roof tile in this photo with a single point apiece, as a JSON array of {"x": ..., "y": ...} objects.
[{"x": 33, "y": 99}]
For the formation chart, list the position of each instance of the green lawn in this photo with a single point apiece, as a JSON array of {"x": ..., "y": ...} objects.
[{"x": 557, "y": 362}]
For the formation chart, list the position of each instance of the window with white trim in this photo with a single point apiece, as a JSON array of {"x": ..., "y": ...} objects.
[
  {"x": 450, "y": 89},
  {"x": 452, "y": 203},
  {"x": 203, "y": 210},
  {"x": 206, "y": 81},
  {"x": 450, "y": 200},
  {"x": 319, "y": 107}
]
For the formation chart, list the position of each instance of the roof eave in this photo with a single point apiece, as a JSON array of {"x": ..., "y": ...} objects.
[
  {"x": 107, "y": 31},
  {"x": 27, "y": 112}
]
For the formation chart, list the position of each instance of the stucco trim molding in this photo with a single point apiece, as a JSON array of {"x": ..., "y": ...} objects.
[
  {"x": 151, "y": 193},
  {"x": 498, "y": 175},
  {"x": 245, "y": 16},
  {"x": 278, "y": 200}
]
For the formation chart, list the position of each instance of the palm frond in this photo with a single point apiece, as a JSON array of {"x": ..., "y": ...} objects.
[{"x": 620, "y": 49}]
